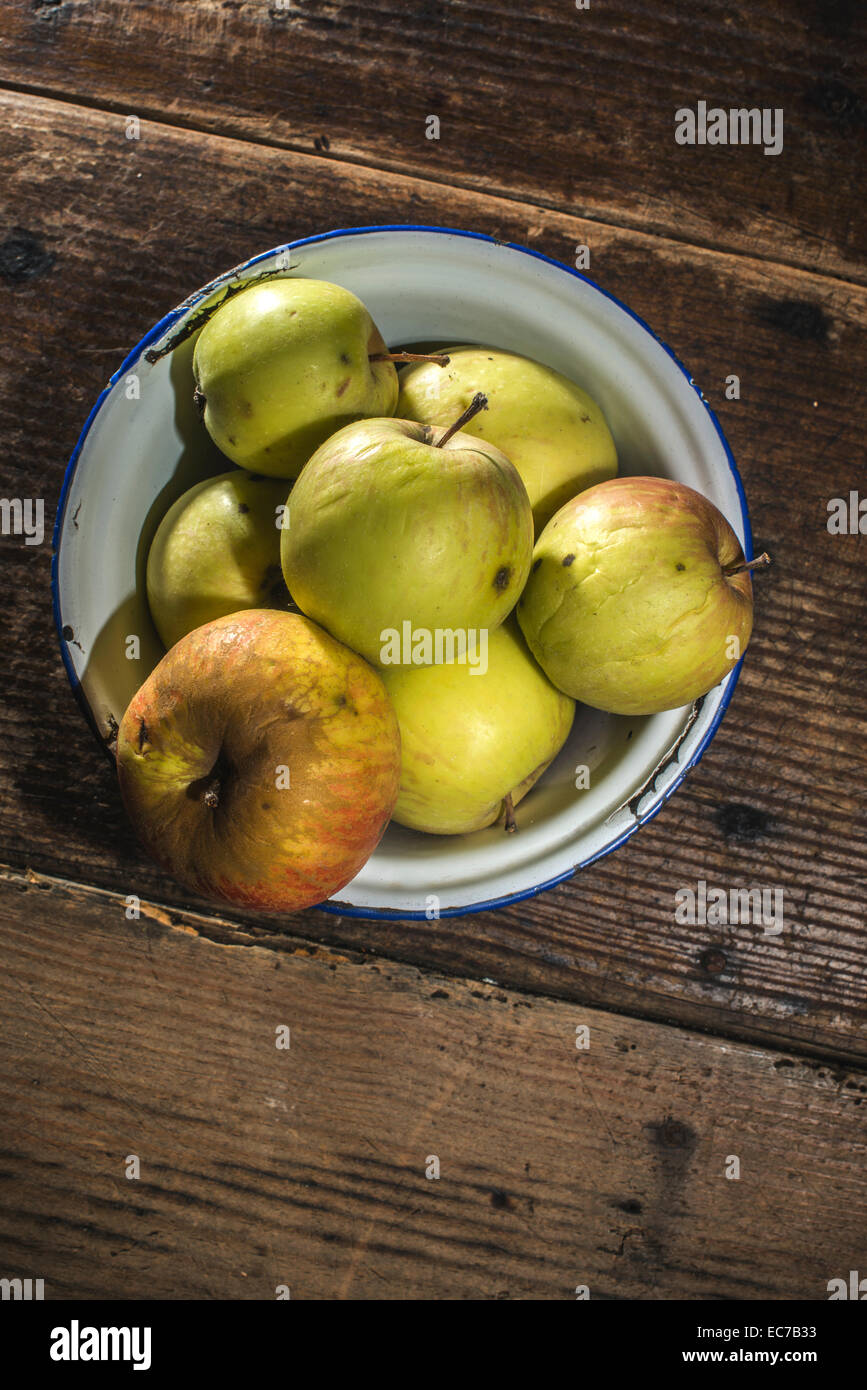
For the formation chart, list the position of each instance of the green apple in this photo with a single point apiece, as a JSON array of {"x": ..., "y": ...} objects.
[
  {"x": 552, "y": 431},
  {"x": 393, "y": 521},
  {"x": 471, "y": 737},
  {"x": 282, "y": 365},
  {"x": 260, "y": 761},
  {"x": 638, "y": 600},
  {"x": 216, "y": 550}
]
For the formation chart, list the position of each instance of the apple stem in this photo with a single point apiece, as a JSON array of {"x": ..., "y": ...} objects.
[
  {"x": 211, "y": 793},
  {"x": 761, "y": 562},
  {"x": 438, "y": 357},
  {"x": 511, "y": 823},
  {"x": 479, "y": 402}
]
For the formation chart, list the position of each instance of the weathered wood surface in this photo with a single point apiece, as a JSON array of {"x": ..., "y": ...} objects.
[
  {"x": 565, "y": 108},
  {"x": 261, "y": 1166},
  {"x": 102, "y": 235}
]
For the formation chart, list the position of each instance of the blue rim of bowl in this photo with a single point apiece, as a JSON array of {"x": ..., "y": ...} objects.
[{"x": 160, "y": 329}]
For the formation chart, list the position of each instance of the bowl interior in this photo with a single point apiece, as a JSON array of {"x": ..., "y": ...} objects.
[{"x": 144, "y": 445}]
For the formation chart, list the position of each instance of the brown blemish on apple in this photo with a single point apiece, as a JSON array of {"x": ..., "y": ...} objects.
[
  {"x": 346, "y": 359},
  {"x": 501, "y": 578},
  {"x": 142, "y": 735},
  {"x": 243, "y": 508},
  {"x": 343, "y": 385},
  {"x": 232, "y": 439},
  {"x": 679, "y": 566},
  {"x": 568, "y": 560}
]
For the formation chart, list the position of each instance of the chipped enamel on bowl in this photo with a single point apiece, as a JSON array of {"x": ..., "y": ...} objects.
[{"x": 143, "y": 445}]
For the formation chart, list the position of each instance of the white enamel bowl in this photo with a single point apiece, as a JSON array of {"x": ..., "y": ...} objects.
[{"x": 143, "y": 445}]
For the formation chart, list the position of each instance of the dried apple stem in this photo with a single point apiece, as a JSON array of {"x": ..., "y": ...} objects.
[
  {"x": 761, "y": 562},
  {"x": 511, "y": 823},
  {"x": 479, "y": 402},
  {"x": 439, "y": 357},
  {"x": 211, "y": 793}
]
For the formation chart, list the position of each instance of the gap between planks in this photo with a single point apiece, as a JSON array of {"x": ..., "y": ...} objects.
[
  {"x": 221, "y": 931},
  {"x": 159, "y": 117}
]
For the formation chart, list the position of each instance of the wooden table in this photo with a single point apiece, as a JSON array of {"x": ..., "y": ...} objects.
[{"x": 559, "y": 1167}]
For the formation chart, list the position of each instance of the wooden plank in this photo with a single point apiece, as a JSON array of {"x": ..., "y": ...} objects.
[
  {"x": 112, "y": 232},
  {"x": 602, "y": 1166},
  {"x": 570, "y": 109}
]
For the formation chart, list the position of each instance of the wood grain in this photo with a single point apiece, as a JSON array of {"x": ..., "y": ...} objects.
[
  {"x": 567, "y": 109},
  {"x": 306, "y": 1167},
  {"x": 102, "y": 235}
]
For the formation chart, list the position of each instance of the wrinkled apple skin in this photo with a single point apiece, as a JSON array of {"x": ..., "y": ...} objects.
[
  {"x": 284, "y": 364},
  {"x": 469, "y": 740},
  {"x": 627, "y": 607},
  {"x": 226, "y": 708},
  {"x": 553, "y": 432},
  {"x": 386, "y": 528},
  {"x": 216, "y": 550}
]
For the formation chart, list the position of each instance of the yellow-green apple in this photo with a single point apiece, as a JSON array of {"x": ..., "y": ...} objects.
[
  {"x": 553, "y": 432},
  {"x": 639, "y": 600},
  {"x": 394, "y": 521},
  {"x": 260, "y": 761},
  {"x": 217, "y": 550},
  {"x": 474, "y": 741},
  {"x": 282, "y": 365}
]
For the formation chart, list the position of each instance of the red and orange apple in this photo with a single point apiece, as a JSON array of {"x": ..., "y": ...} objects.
[{"x": 260, "y": 761}]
